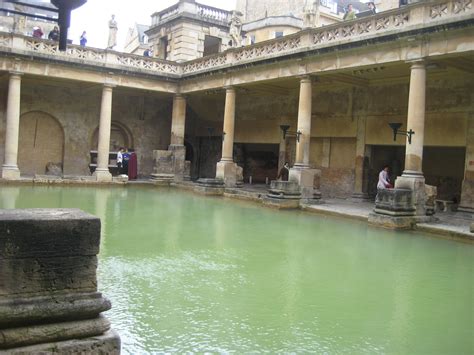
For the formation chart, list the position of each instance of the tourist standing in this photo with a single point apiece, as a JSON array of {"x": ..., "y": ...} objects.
[
  {"x": 83, "y": 39},
  {"x": 350, "y": 13},
  {"x": 284, "y": 172},
  {"x": 37, "y": 32},
  {"x": 54, "y": 34},
  {"x": 384, "y": 180},
  {"x": 120, "y": 159},
  {"x": 372, "y": 7}
]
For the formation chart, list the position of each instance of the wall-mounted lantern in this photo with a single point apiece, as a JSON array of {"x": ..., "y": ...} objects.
[
  {"x": 286, "y": 133},
  {"x": 396, "y": 131}
]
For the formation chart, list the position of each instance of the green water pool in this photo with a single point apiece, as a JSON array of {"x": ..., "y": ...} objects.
[{"x": 187, "y": 273}]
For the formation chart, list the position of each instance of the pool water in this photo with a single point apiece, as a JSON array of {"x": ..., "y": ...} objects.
[{"x": 187, "y": 273}]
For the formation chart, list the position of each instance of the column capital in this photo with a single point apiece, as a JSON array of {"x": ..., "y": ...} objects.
[
  {"x": 417, "y": 63},
  {"x": 229, "y": 88},
  {"x": 14, "y": 73},
  {"x": 108, "y": 86},
  {"x": 179, "y": 96},
  {"x": 305, "y": 79}
]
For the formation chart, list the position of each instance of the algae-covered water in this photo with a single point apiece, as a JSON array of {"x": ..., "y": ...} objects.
[{"x": 187, "y": 273}]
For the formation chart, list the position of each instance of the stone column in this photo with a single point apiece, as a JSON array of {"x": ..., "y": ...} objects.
[
  {"x": 178, "y": 120},
  {"x": 301, "y": 171},
  {"x": 102, "y": 171},
  {"x": 226, "y": 169},
  {"x": 360, "y": 186},
  {"x": 178, "y": 124},
  {"x": 467, "y": 192},
  {"x": 412, "y": 177},
  {"x": 304, "y": 123},
  {"x": 10, "y": 169},
  {"x": 282, "y": 152}
]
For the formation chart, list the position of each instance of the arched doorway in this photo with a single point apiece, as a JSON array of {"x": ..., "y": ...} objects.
[
  {"x": 41, "y": 141},
  {"x": 120, "y": 136}
]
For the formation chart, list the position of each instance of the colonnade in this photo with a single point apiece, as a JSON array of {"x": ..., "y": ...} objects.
[{"x": 412, "y": 176}]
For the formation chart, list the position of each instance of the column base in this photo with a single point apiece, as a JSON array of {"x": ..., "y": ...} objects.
[
  {"x": 361, "y": 196},
  {"x": 10, "y": 172},
  {"x": 416, "y": 183},
  {"x": 304, "y": 177},
  {"x": 102, "y": 175},
  {"x": 230, "y": 173},
  {"x": 467, "y": 194}
]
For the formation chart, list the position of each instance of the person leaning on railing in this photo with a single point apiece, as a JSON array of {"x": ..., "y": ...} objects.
[{"x": 350, "y": 13}]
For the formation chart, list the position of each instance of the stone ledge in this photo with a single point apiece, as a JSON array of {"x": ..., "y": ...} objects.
[{"x": 109, "y": 344}]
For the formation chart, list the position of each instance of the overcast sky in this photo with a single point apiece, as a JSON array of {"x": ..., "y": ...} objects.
[{"x": 93, "y": 17}]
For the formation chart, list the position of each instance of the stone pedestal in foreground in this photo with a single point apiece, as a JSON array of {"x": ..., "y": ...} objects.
[
  {"x": 48, "y": 286},
  {"x": 305, "y": 178},
  {"x": 394, "y": 209},
  {"x": 283, "y": 195}
]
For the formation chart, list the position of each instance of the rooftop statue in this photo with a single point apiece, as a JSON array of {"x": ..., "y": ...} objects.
[
  {"x": 236, "y": 28},
  {"x": 113, "y": 29},
  {"x": 311, "y": 15}
]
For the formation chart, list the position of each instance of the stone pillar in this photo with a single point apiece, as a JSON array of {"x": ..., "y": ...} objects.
[
  {"x": 177, "y": 147},
  {"x": 226, "y": 169},
  {"x": 360, "y": 185},
  {"x": 178, "y": 121},
  {"x": 102, "y": 171},
  {"x": 48, "y": 295},
  {"x": 301, "y": 172},
  {"x": 304, "y": 123},
  {"x": 412, "y": 177},
  {"x": 282, "y": 152},
  {"x": 10, "y": 169},
  {"x": 467, "y": 193}
]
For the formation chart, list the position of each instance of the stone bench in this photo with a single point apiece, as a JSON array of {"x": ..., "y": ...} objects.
[{"x": 444, "y": 205}]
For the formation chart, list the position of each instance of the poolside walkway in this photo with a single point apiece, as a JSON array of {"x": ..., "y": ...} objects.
[{"x": 447, "y": 224}]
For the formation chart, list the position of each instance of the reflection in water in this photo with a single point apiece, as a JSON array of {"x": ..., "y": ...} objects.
[
  {"x": 9, "y": 196},
  {"x": 193, "y": 274}
]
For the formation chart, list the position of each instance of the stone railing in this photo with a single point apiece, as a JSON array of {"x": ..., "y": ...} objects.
[
  {"x": 165, "y": 14},
  {"x": 204, "y": 12},
  {"x": 212, "y": 13},
  {"x": 395, "y": 21},
  {"x": 86, "y": 55},
  {"x": 409, "y": 18}
]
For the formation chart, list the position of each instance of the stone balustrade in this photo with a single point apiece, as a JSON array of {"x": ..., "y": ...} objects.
[
  {"x": 213, "y": 13},
  {"x": 397, "y": 21},
  {"x": 200, "y": 11}
]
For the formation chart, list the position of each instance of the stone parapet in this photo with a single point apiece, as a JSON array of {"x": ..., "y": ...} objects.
[{"x": 48, "y": 293}]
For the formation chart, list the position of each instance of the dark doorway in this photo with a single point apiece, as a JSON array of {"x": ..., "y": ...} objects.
[
  {"x": 443, "y": 167},
  {"x": 163, "y": 50},
  {"x": 212, "y": 45},
  {"x": 260, "y": 161}
]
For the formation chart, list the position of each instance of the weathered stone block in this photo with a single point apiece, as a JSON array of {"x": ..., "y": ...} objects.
[
  {"x": 211, "y": 187},
  {"x": 48, "y": 283},
  {"x": 394, "y": 202},
  {"x": 283, "y": 195}
]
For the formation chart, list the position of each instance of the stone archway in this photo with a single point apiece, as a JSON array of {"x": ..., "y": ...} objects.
[
  {"x": 120, "y": 136},
  {"x": 41, "y": 141}
]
